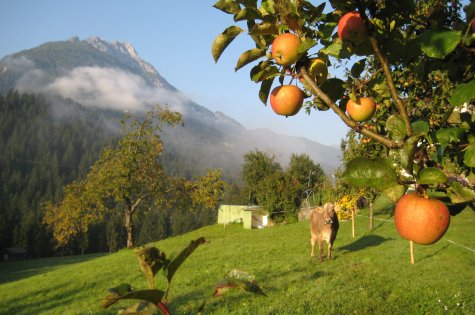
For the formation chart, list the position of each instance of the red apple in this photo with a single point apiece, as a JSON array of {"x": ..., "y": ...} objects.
[
  {"x": 286, "y": 100},
  {"x": 285, "y": 49},
  {"x": 362, "y": 109},
  {"x": 421, "y": 220},
  {"x": 473, "y": 26},
  {"x": 351, "y": 27}
]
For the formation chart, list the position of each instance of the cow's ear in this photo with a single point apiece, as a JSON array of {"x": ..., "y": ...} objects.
[{"x": 328, "y": 207}]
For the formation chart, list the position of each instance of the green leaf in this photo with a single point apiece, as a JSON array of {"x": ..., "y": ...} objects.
[
  {"x": 151, "y": 260},
  {"x": 185, "y": 253},
  {"x": 463, "y": 93},
  {"x": 264, "y": 91},
  {"x": 264, "y": 28},
  {"x": 358, "y": 68},
  {"x": 249, "y": 56},
  {"x": 334, "y": 88},
  {"x": 448, "y": 135},
  {"x": 396, "y": 127},
  {"x": 263, "y": 71},
  {"x": 395, "y": 192},
  {"x": 247, "y": 13},
  {"x": 333, "y": 49},
  {"x": 459, "y": 194},
  {"x": 223, "y": 40},
  {"x": 380, "y": 86},
  {"x": 375, "y": 173},
  {"x": 431, "y": 176},
  {"x": 228, "y": 6},
  {"x": 420, "y": 126},
  {"x": 469, "y": 155},
  {"x": 306, "y": 44},
  {"x": 439, "y": 43},
  {"x": 152, "y": 295},
  {"x": 405, "y": 156}
]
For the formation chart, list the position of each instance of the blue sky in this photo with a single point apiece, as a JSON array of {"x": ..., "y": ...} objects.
[{"x": 175, "y": 37}]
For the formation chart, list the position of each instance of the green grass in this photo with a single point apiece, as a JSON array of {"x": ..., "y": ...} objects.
[{"x": 371, "y": 274}]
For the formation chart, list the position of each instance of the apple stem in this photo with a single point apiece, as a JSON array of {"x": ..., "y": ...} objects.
[{"x": 412, "y": 251}]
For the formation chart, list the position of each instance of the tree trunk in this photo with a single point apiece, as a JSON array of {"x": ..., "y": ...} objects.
[{"x": 129, "y": 228}]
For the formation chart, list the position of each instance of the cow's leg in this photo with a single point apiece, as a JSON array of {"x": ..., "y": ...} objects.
[
  {"x": 312, "y": 242},
  {"x": 320, "y": 249},
  {"x": 329, "y": 250}
]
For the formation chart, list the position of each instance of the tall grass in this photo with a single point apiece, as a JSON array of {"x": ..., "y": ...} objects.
[{"x": 370, "y": 274}]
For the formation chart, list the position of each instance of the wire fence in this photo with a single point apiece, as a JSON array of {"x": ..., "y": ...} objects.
[{"x": 445, "y": 239}]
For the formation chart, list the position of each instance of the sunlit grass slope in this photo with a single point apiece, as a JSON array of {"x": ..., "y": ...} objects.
[{"x": 371, "y": 273}]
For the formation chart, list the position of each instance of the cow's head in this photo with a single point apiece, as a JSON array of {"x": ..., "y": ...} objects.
[{"x": 328, "y": 213}]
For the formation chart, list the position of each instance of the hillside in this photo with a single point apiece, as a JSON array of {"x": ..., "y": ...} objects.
[
  {"x": 100, "y": 74},
  {"x": 370, "y": 274}
]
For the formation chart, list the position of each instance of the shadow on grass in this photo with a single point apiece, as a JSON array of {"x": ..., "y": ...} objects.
[
  {"x": 365, "y": 242},
  {"x": 20, "y": 269}
]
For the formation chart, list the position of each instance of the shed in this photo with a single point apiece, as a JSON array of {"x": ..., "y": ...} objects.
[
  {"x": 14, "y": 253},
  {"x": 249, "y": 216}
]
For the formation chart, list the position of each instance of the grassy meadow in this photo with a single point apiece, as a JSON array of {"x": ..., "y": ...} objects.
[{"x": 370, "y": 274}]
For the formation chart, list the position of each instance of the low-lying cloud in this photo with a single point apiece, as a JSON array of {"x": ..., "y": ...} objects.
[{"x": 110, "y": 88}]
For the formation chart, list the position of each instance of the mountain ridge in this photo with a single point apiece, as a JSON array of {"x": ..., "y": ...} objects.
[{"x": 86, "y": 70}]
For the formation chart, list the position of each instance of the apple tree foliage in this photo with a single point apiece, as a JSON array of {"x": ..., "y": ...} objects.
[{"x": 417, "y": 61}]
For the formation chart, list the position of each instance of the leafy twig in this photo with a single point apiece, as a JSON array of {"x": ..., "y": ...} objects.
[{"x": 347, "y": 120}]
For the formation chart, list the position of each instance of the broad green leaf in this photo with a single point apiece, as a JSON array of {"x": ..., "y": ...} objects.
[
  {"x": 263, "y": 71},
  {"x": 395, "y": 192},
  {"x": 334, "y": 88},
  {"x": 431, "y": 176},
  {"x": 151, "y": 260},
  {"x": 333, "y": 49},
  {"x": 380, "y": 86},
  {"x": 396, "y": 126},
  {"x": 439, "y": 43},
  {"x": 264, "y": 28},
  {"x": 375, "y": 173},
  {"x": 152, "y": 295},
  {"x": 223, "y": 40},
  {"x": 247, "y": 13},
  {"x": 405, "y": 156},
  {"x": 306, "y": 44},
  {"x": 264, "y": 91},
  {"x": 420, "y": 126},
  {"x": 228, "y": 6},
  {"x": 327, "y": 30},
  {"x": 459, "y": 194},
  {"x": 469, "y": 155},
  {"x": 463, "y": 93},
  {"x": 185, "y": 253},
  {"x": 249, "y": 56},
  {"x": 448, "y": 135},
  {"x": 358, "y": 68}
]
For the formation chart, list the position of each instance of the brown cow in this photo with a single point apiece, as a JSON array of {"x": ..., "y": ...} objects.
[{"x": 323, "y": 227}]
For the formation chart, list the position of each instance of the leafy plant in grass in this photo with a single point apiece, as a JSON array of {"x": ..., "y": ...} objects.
[{"x": 151, "y": 261}]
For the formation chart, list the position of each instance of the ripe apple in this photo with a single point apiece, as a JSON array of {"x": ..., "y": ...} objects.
[
  {"x": 351, "y": 27},
  {"x": 285, "y": 49},
  {"x": 473, "y": 26},
  {"x": 318, "y": 71},
  {"x": 421, "y": 220},
  {"x": 286, "y": 100},
  {"x": 362, "y": 109}
]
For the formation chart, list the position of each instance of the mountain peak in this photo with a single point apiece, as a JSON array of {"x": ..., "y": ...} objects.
[{"x": 125, "y": 52}]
